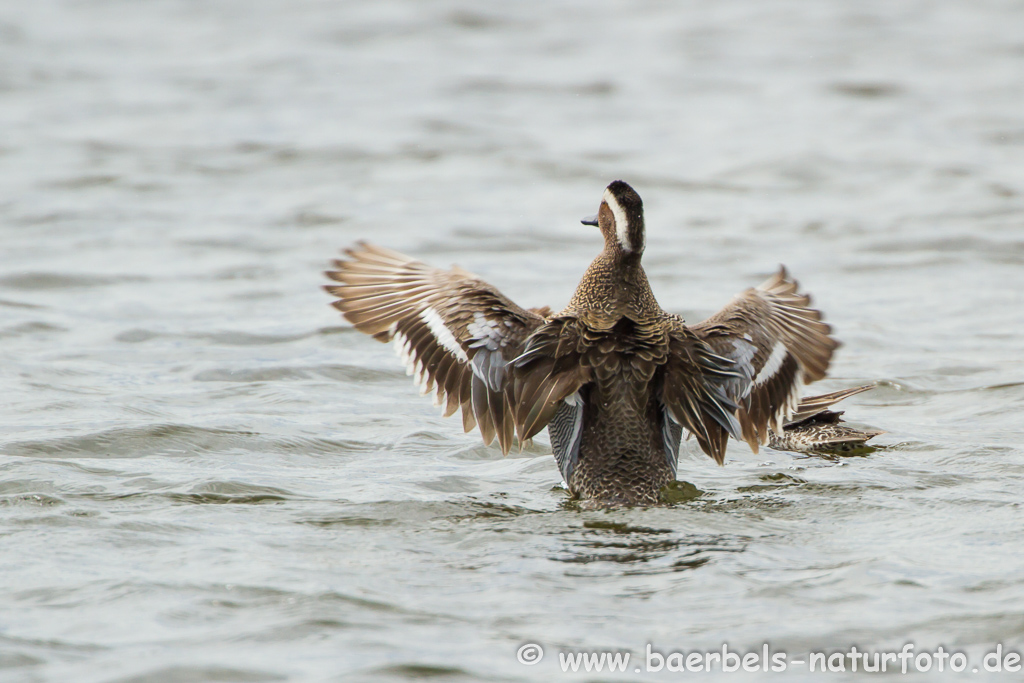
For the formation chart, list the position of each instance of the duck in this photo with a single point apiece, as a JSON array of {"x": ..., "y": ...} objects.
[
  {"x": 614, "y": 378},
  {"x": 814, "y": 428}
]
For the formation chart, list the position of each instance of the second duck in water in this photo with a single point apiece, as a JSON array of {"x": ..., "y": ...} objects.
[{"x": 616, "y": 379}]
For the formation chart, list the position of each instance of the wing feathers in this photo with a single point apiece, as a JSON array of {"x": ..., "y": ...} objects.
[
  {"x": 776, "y": 343},
  {"x": 812, "y": 405},
  {"x": 436, "y": 319},
  {"x": 547, "y": 372},
  {"x": 693, "y": 393}
]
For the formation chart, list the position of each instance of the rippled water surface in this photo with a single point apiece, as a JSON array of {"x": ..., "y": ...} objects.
[{"x": 205, "y": 475}]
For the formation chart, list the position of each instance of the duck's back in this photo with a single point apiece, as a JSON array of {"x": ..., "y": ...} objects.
[
  {"x": 611, "y": 438},
  {"x": 622, "y": 453}
]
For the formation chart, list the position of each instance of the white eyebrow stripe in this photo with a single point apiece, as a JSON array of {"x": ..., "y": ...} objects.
[{"x": 621, "y": 222}]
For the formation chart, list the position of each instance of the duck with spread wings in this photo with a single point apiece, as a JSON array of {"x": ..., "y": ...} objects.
[{"x": 614, "y": 378}]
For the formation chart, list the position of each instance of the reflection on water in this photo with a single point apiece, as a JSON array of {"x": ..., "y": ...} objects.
[{"x": 206, "y": 475}]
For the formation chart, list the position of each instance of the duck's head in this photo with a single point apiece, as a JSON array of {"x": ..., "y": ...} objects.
[{"x": 620, "y": 219}]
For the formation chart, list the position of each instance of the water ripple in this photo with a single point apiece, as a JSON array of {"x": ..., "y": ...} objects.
[{"x": 173, "y": 440}]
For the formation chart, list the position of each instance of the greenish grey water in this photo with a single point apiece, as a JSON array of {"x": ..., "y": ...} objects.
[{"x": 206, "y": 476}]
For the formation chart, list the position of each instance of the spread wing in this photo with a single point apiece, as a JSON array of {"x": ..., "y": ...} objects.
[
  {"x": 455, "y": 333},
  {"x": 776, "y": 342}
]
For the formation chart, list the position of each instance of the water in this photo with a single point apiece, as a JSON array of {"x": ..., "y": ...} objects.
[{"x": 206, "y": 476}]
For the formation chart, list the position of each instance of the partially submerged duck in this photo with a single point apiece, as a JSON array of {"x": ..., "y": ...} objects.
[
  {"x": 815, "y": 428},
  {"x": 615, "y": 378}
]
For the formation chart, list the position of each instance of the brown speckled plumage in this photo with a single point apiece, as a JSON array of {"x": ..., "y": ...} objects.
[
  {"x": 615, "y": 378},
  {"x": 813, "y": 427}
]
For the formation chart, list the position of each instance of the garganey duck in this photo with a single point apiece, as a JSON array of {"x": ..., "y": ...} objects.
[
  {"x": 814, "y": 428},
  {"x": 616, "y": 379}
]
